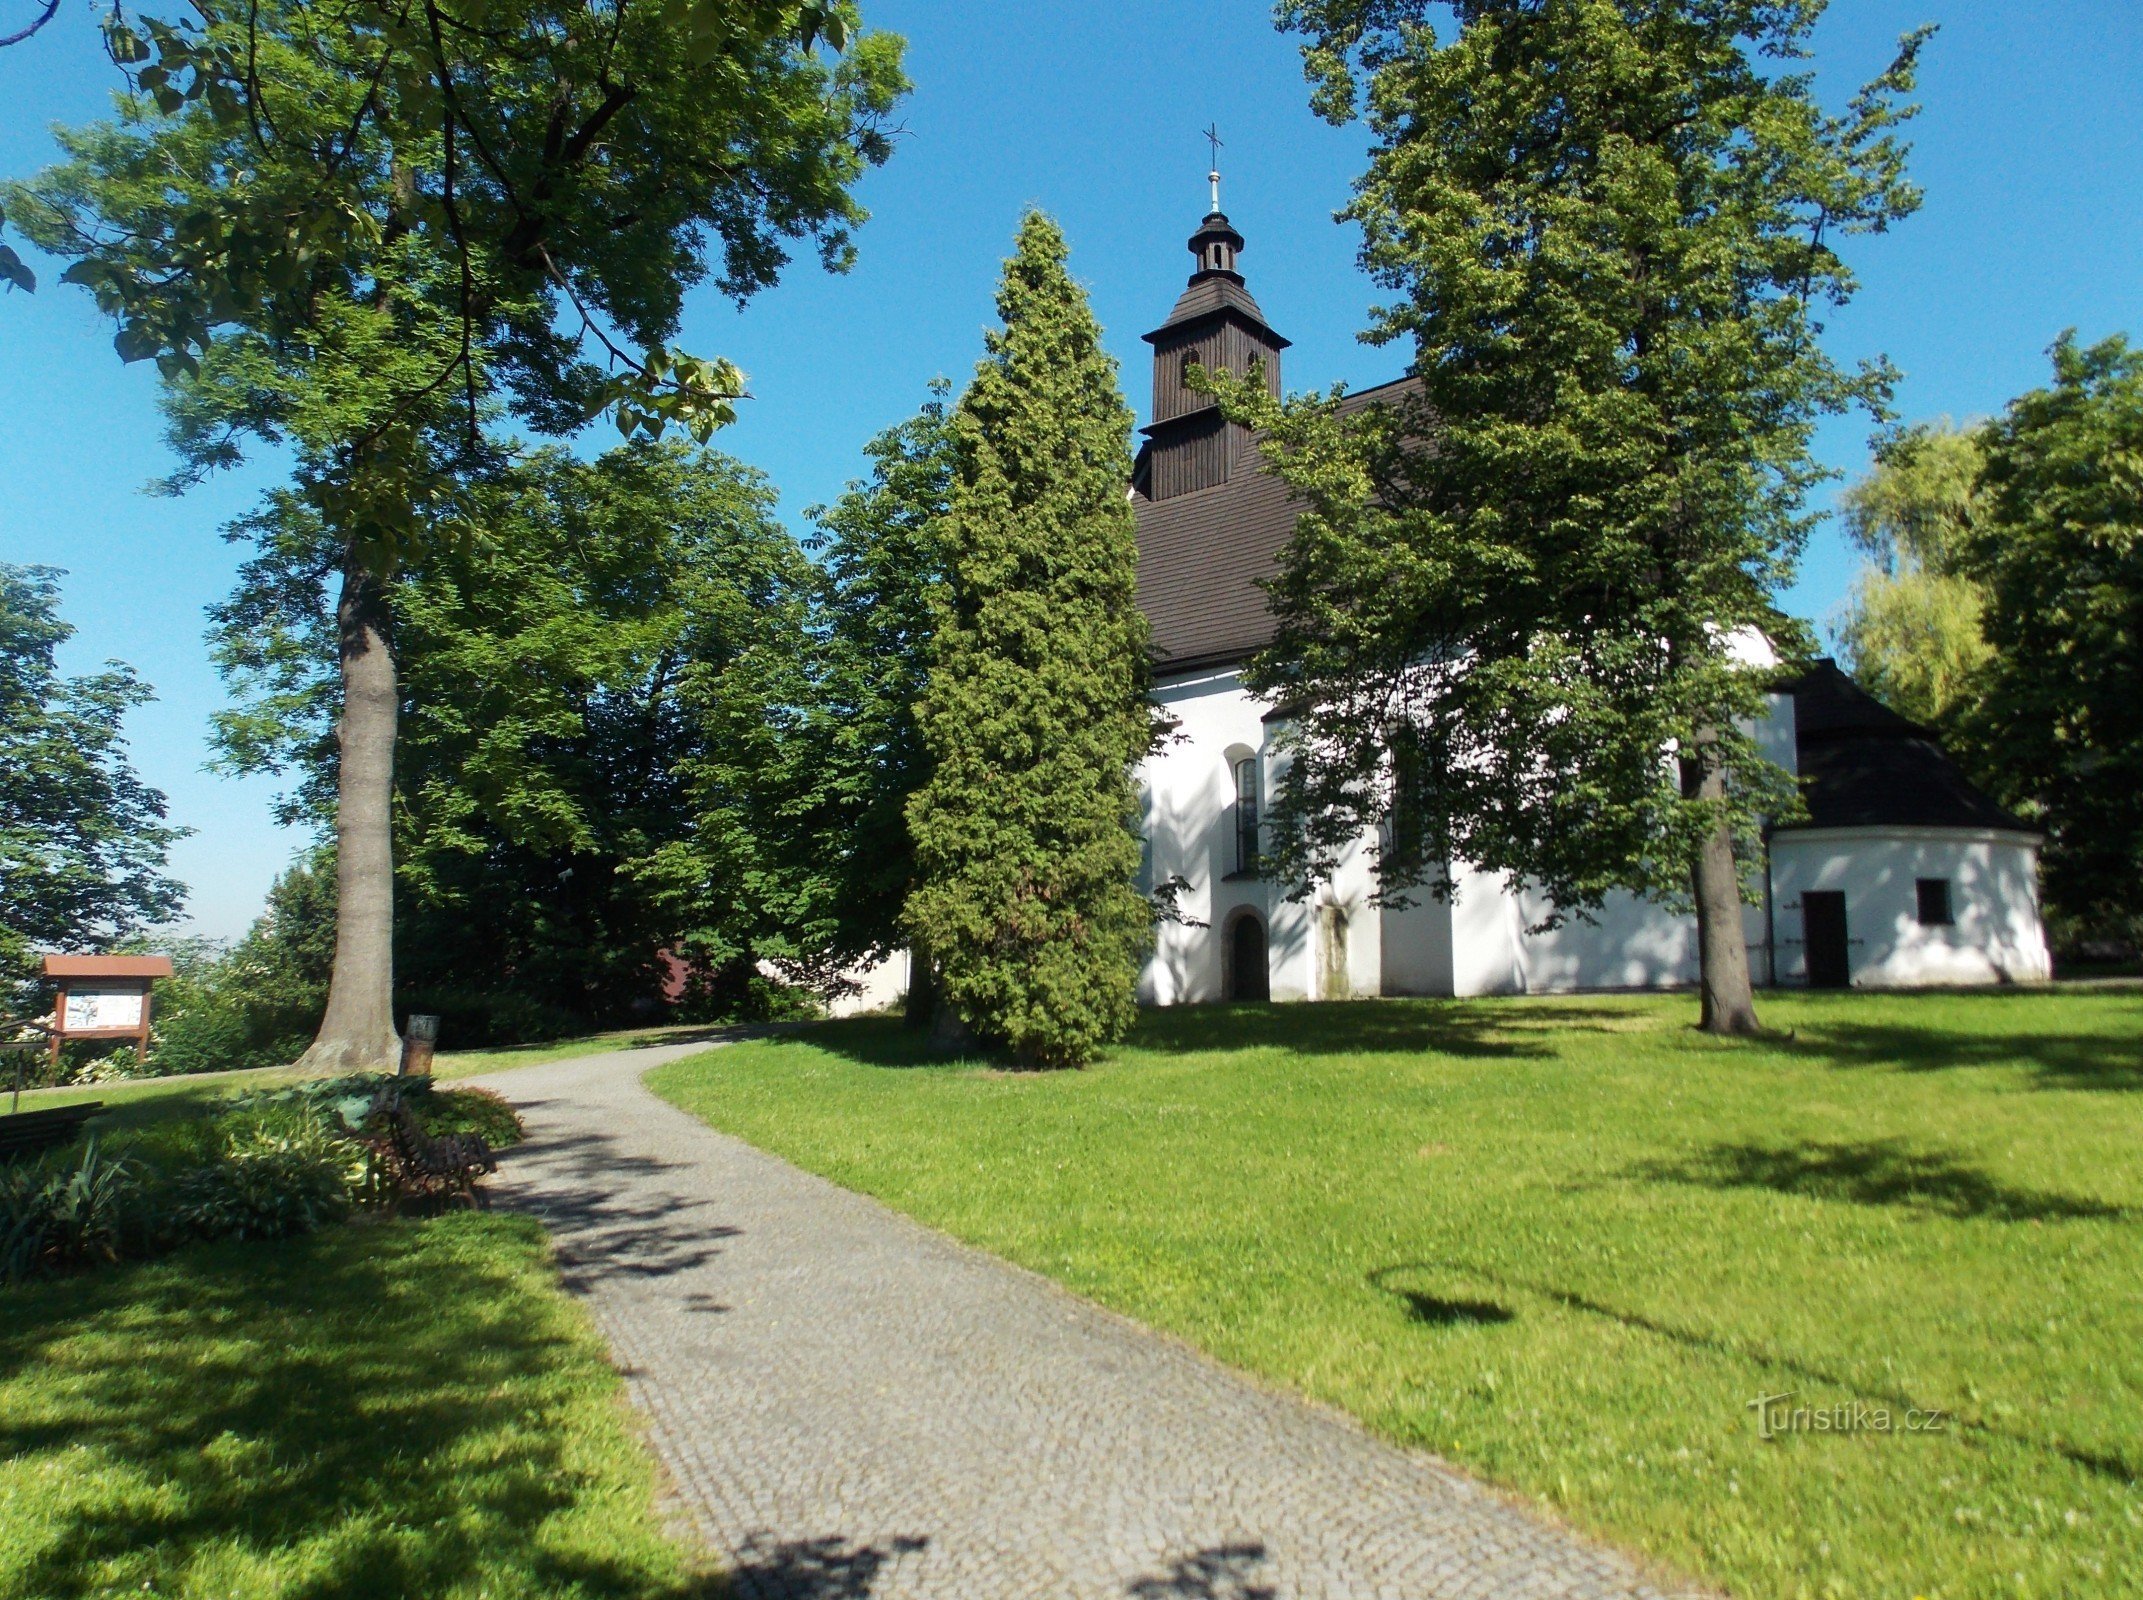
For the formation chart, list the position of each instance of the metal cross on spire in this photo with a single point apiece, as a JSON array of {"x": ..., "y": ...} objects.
[{"x": 1212, "y": 137}]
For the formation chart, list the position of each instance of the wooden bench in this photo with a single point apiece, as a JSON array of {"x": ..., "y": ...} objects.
[
  {"x": 26, "y": 1132},
  {"x": 425, "y": 1165}
]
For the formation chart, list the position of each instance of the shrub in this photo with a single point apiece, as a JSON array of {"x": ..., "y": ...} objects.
[
  {"x": 438, "y": 1110},
  {"x": 277, "y": 1162},
  {"x": 67, "y": 1210},
  {"x": 220, "y": 1034},
  {"x": 477, "y": 1111},
  {"x": 118, "y": 1066},
  {"x": 276, "y": 1174}
]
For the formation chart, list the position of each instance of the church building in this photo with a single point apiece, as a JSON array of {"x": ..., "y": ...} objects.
[{"x": 1903, "y": 874}]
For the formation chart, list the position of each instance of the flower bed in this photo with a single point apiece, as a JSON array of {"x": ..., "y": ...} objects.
[{"x": 268, "y": 1164}]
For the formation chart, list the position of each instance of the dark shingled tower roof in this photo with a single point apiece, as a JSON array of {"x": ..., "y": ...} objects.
[
  {"x": 1211, "y": 520},
  {"x": 1202, "y": 555},
  {"x": 1864, "y": 766}
]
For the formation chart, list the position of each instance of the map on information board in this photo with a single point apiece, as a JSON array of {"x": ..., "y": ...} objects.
[{"x": 91, "y": 1009}]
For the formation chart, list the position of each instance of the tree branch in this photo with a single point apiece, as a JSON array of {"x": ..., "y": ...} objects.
[{"x": 51, "y": 10}]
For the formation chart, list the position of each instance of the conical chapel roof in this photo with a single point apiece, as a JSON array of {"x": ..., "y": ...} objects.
[{"x": 1209, "y": 294}]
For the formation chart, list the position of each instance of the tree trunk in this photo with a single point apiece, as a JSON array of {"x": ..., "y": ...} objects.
[
  {"x": 920, "y": 1011},
  {"x": 1722, "y": 942},
  {"x": 949, "y": 1033},
  {"x": 357, "y": 1034}
]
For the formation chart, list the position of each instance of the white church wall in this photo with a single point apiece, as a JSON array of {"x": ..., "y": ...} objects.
[
  {"x": 1189, "y": 818},
  {"x": 1189, "y": 798},
  {"x": 1996, "y": 937},
  {"x": 1479, "y": 943},
  {"x": 1485, "y": 956},
  {"x": 882, "y": 986},
  {"x": 1414, "y": 947},
  {"x": 1631, "y": 943},
  {"x": 1291, "y": 950},
  {"x": 1345, "y": 933}
]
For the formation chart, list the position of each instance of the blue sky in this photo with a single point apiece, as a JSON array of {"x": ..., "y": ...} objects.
[{"x": 2031, "y": 153}]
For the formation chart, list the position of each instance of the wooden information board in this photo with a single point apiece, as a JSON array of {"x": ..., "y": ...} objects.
[{"x": 103, "y": 997}]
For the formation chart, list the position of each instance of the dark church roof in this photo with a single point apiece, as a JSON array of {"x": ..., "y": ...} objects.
[
  {"x": 1202, "y": 555},
  {"x": 1864, "y": 766},
  {"x": 1204, "y": 551}
]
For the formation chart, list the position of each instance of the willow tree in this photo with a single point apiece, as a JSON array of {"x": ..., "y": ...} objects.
[
  {"x": 1512, "y": 623},
  {"x": 1035, "y": 713},
  {"x": 377, "y": 232},
  {"x": 1912, "y": 628}
]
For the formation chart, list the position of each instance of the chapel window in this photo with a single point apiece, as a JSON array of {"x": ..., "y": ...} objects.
[{"x": 1246, "y": 816}]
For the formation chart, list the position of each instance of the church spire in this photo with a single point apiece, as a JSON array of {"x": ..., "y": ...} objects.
[
  {"x": 1216, "y": 243},
  {"x": 1215, "y": 325}
]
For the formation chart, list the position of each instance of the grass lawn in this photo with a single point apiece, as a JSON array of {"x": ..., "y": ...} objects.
[
  {"x": 396, "y": 1410},
  {"x": 1567, "y": 1242}
]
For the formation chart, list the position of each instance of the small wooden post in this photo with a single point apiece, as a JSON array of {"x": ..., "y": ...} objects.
[
  {"x": 419, "y": 1040},
  {"x": 59, "y": 1027}
]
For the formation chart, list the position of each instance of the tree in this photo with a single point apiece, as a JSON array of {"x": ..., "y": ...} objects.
[
  {"x": 739, "y": 872},
  {"x": 1036, "y": 711},
  {"x": 555, "y": 665},
  {"x": 1515, "y": 620},
  {"x": 882, "y": 549},
  {"x": 258, "y": 1003},
  {"x": 82, "y": 838},
  {"x": 2057, "y": 547},
  {"x": 367, "y": 230},
  {"x": 1911, "y": 630}
]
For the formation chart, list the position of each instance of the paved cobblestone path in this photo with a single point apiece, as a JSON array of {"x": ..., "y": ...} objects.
[{"x": 849, "y": 1404}]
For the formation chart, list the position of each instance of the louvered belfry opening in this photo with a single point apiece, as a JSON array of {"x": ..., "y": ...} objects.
[{"x": 1215, "y": 324}]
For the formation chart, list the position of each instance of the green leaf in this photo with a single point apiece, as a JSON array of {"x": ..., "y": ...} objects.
[
  {"x": 123, "y": 44},
  {"x": 136, "y": 341}
]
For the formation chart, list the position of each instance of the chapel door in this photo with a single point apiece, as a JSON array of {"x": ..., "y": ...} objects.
[
  {"x": 1823, "y": 932},
  {"x": 1248, "y": 977}
]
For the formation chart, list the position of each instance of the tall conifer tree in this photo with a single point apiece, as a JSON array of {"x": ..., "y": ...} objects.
[{"x": 1036, "y": 710}]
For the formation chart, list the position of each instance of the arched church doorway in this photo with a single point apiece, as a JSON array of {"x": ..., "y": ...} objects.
[{"x": 1248, "y": 978}]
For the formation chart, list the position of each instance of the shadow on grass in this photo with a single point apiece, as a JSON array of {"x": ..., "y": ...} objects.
[
  {"x": 1382, "y": 1027},
  {"x": 1438, "y": 1310},
  {"x": 1495, "y": 1029},
  {"x": 181, "y": 1105},
  {"x": 1219, "y": 1572},
  {"x": 1875, "y": 1172},
  {"x": 2109, "y": 1060},
  {"x": 383, "y": 1410},
  {"x": 2103, "y": 1464}
]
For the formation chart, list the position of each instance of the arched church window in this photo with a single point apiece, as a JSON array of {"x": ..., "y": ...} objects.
[{"x": 1246, "y": 816}]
